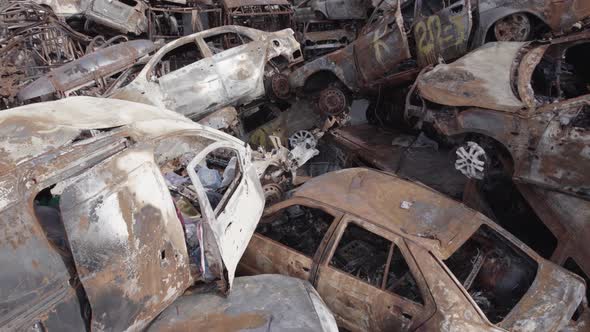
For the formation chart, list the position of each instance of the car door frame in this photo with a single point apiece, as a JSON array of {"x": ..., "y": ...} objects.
[
  {"x": 220, "y": 250},
  {"x": 279, "y": 207},
  {"x": 260, "y": 46},
  {"x": 329, "y": 249},
  {"x": 456, "y": 27}
]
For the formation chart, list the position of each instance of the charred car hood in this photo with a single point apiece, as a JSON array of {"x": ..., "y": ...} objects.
[
  {"x": 481, "y": 79},
  {"x": 549, "y": 303}
]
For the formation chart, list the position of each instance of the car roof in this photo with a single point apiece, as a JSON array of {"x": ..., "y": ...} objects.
[
  {"x": 35, "y": 129},
  {"x": 397, "y": 205}
]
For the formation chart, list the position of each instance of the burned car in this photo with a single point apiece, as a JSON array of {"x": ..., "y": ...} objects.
[
  {"x": 200, "y": 73},
  {"x": 449, "y": 29},
  {"x": 530, "y": 100},
  {"x": 319, "y": 37},
  {"x": 127, "y": 16},
  {"x": 388, "y": 254},
  {"x": 96, "y": 69},
  {"x": 441, "y": 30},
  {"x": 378, "y": 54},
  {"x": 111, "y": 209}
]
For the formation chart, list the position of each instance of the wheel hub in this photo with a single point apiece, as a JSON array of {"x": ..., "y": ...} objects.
[
  {"x": 332, "y": 101},
  {"x": 280, "y": 86}
]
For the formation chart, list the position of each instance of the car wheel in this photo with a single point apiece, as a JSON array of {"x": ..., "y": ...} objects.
[{"x": 515, "y": 27}]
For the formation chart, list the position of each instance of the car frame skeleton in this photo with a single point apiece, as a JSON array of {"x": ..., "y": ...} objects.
[
  {"x": 432, "y": 232},
  {"x": 231, "y": 77},
  {"x": 125, "y": 254}
]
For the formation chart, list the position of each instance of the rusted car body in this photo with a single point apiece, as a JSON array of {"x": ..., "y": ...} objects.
[
  {"x": 94, "y": 68},
  {"x": 530, "y": 98},
  {"x": 448, "y": 30},
  {"x": 388, "y": 254},
  {"x": 215, "y": 75},
  {"x": 123, "y": 16},
  {"x": 263, "y": 15},
  {"x": 112, "y": 252},
  {"x": 271, "y": 303},
  {"x": 377, "y": 55}
]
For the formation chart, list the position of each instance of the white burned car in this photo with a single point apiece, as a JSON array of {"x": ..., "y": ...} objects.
[
  {"x": 110, "y": 210},
  {"x": 225, "y": 66}
]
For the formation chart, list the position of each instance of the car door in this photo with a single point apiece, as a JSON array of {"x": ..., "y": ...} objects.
[
  {"x": 346, "y": 9},
  {"x": 233, "y": 218},
  {"x": 125, "y": 16},
  {"x": 288, "y": 238},
  {"x": 195, "y": 89},
  {"x": 382, "y": 45},
  {"x": 239, "y": 64},
  {"x": 566, "y": 138},
  {"x": 352, "y": 281},
  {"x": 441, "y": 31},
  {"x": 127, "y": 242}
]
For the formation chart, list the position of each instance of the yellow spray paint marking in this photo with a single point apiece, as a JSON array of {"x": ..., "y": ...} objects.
[
  {"x": 432, "y": 34},
  {"x": 379, "y": 45}
]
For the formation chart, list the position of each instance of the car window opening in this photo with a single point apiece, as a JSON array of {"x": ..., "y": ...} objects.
[
  {"x": 362, "y": 254},
  {"x": 178, "y": 58},
  {"x": 298, "y": 227},
  {"x": 495, "y": 273},
  {"x": 365, "y": 256},
  {"x": 556, "y": 78},
  {"x": 225, "y": 41}
]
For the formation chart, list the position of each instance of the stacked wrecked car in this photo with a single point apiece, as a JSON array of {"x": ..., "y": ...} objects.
[{"x": 312, "y": 165}]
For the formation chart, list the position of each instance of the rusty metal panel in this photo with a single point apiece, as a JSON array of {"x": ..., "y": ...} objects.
[
  {"x": 379, "y": 51},
  {"x": 445, "y": 220},
  {"x": 562, "y": 156},
  {"x": 445, "y": 34},
  {"x": 126, "y": 239},
  {"x": 100, "y": 64}
]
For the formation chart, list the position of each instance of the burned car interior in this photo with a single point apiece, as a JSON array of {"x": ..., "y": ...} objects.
[{"x": 403, "y": 165}]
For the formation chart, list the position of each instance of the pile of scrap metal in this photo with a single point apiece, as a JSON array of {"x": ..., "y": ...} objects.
[{"x": 152, "y": 134}]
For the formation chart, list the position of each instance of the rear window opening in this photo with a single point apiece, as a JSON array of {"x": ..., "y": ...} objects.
[
  {"x": 494, "y": 272},
  {"x": 225, "y": 41}
]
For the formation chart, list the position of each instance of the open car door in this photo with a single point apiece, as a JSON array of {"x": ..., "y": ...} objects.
[
  {"x": 441, "y": 32},
  {"x": 229, "y": 223},
  {"x": 126, "y": 239}
]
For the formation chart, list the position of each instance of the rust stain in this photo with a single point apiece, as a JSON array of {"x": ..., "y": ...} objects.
[{"x": 219, "y": 322}]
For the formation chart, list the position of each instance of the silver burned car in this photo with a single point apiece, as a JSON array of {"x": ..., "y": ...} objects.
[{"x": 225, "y": 66}]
